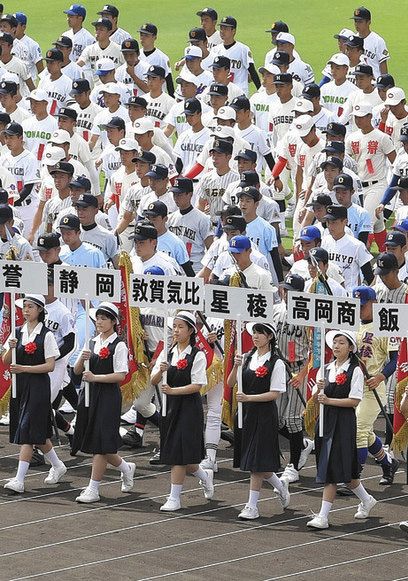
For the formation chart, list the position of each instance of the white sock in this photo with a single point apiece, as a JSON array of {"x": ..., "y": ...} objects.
[
  {"x": 123, "y": 467},
  {"x": 253, "y": 498},
  {"x": 211, "y": 454},
  {"x": 361, "y": 493},
  {"x": 22, "y": 470},
  {"x": 201, "y": 474},
  {"x": 52, "y": 458},
  {"x": 175, "y": 491},
  {"x": 325, "y": 508},
  {"x": 275, "y": 482},
  {"x": 94, "y": 485}
]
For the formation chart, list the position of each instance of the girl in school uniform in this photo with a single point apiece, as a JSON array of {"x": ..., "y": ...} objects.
[
  {"x": 256, "y": 446},
  {"x": 181, "y": 430},
  {"x": 30, "y": 412},
  {"x": 97, "y": 427},
  {"x": 340, "y": 391}
]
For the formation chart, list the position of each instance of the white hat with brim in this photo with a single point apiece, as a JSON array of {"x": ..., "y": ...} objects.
[
  {"x": 187, "y": 317},
  {"x": 268, "y": 326},
  {"x": 38, "y": 300},
  {"x": 106, "y": 307},
  {"x": 349, "y": 334}
]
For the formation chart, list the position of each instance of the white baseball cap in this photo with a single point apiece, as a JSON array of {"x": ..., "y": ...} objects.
[
  {"x": 60, "y": 136},
  {"x": 269, "y": 68},
  {"x": 111, "y": 88},
  {"x": 38, "y": 95},
  {"x": 349, "y": 334},
  {"x": 226, "y": 113},
  {"x": 344, "y": 33},
  {"x": 394, "y": 96},
  {"x": 223, "y": 131},
  {"x": 192, "y": 51},
  {"x": 53, "y": 154},
  {"x": 105, "y": 65},
  {"x": 142, "y": 126},
  {"x": 127, "y": 144},
  {"x": 10, "y": 77},
  {"x": 188, "y": 77},
  {"x": 285, "y": 37},
  {"x": 303, "y": 106},
  {"x": 339, "y": 59},
  {"x": 362, "y": 110},
  {"x": 303, "y": 124}
]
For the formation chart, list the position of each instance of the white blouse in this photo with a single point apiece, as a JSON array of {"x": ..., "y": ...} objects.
[
  {"x": 50, "y": 344},
  {"x": 278, "y": 376},
  {"x": 357, "y": 379},
  {"x": 198, "y": 370},
  {"x": 120, "y": 355}
]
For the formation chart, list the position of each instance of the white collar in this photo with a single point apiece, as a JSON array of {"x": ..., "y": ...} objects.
[
  {"x": 344, "y": 367},
  {"x": 36, "y": 331},
  {"x": 107, "y": 341}
]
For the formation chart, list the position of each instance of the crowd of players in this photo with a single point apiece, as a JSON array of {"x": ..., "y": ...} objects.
[{"x": 109, "y": 147}]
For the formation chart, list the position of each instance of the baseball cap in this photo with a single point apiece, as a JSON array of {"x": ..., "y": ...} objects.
[
  {"x": 285, "y": 37},
  {"x": 142, "y": 126},
  {"x": 136, "y": 102},
  {"x": 249, "y": 192},
  {"x": 280, "y": 57},
  {"x": 303, "y": 106},
  {"x": 38, "y": 95},
  {"x": 158, "y": 172},
  {"x": 154, "y": 270},
  {"x": 197, "y": 34},
  {"x": 364, "y": 293},
  {"x": 336, "y": 129},
  {"x": 323, "y": 200},
  {"x": 182, "y": 186},
  {"x": 208, "y": 12},
  {"x": 222, "y": 146},
  {"x": 148, "y": 28},
  {"x": 70, "y": 222},
  {"x": 361, "y": 13},
  {"x": 102, "y": 22},
  {"x": 8, "y": 88},
  {"x": 115, "y": 122},
  {"x": 13, "y": 129},
  {"x": 395, "y": 239},
  {"x": 241, "y": 103},
  {"x": 336, "y": 213},
  {"x": 67, "y": 113},
  {"x": 310, "y": 233},
  {"x": 226, "y": 113},
  {"x": 192, "y": 106},
  {"x": 404, "y": 133},
  {"x": 60, "y": 136},
  {"x": 4, "y": 118},
  {"x": 224, "y": 132},
  {"x": 54, "y": 55},
  {"x": 229, "y": 210},
  {"x": 334, "y": 147},
  {"x": 249, "y": 178},
  {"x": 188, "y": 77},
  {"x": 53, "y": 154},
  {"x": 343, "y": 182},
  {"x": 269, "y": 68},
  {"x": 218, "y": 89},
  {"x": 333, "y": 161},
  {"x": 278, "y": 26},
  {"x": 311, "y": 91},
  {"x": 155, "y": 71},
  {"x": 229, "y": 21},
  {"x": 402, "y": 184},
  {"x": 76, "y": 10},
  {"x": 394, "y": 96},
  {"x": 156, "y": 208},
  {"x": 48, "y": 240},
  {"x": 9, "y": 18},
  {"x": 303, "y": 125},
  {"x": 20, "y": 17},
  {"x": 144, "y": 231},
  {"x": 62, "y": 167},
  {"x": 79, "y": 86},
  {"x": 402, "y": 226},
  {"x": 344, "y": 33},
  {"x": 145, "y": 157},
  {"x": 192, "y": 52},
  {"x": 221, "y": 62},
  {"x": 363, "y": 70},
  {"x": 294, "y": 282},
  {"x": 127, "y": 144},
  {"x": 283, "y": 79},
  {"x": 362, "y": 110},
  {"x": 239, "y": 244},
  {"x": 385, "y": 82},
  {"x": 109, "y": 9},
  {"x": 6, "y": 213},
  {"x": 318, "y": 253},
  {"x": 86, "y": 201},
  {"x": 5, "y": 37},
  {"x": 386, "y": 262},
  {"x": 104, "y": 66},
  {"x": 354, "y": 41},
  {"x": 234, "y": 223},
  {"x": 105, "y": 307},
  {"x": 130, "y": 45},
  {"x": 339, "y": 59},
  {"x": 111, "y": 88},
  {"x": 81, "y": 182},
  {"x": 64, "y": 41},
  {"x": 248, "y": 154}
]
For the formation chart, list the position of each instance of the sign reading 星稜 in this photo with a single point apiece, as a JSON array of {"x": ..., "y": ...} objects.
[{"x": 228, "y": 302}]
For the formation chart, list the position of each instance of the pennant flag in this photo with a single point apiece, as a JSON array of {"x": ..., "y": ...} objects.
[
  {"x": 215, "y": 368},
  {"x": 5, "y": 330},
  {"x": 400, "y": 440}
]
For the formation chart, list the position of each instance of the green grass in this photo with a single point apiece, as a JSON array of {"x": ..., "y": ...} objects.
[{"x": 313, "y": 23}]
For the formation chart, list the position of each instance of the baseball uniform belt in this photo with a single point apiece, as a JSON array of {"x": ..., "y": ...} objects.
[{"x": 366, "y": 184}]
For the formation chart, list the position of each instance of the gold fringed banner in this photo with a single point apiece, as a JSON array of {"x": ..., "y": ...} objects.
[
  {"x": 229, "y": 404},
  {"x": 400, "y": 440}
]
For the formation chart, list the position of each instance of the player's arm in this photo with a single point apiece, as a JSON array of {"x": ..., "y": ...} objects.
[
  {"x": 125, "y": 221},
  {"x": 389, "y": 193},
  {"x": 170, "y": 85},
  {"x": 368, "y": 273},
  {"x": 138, "y": 82},
  {"x": 67, "y": 345},
  {"x": 30, "y": 84},
  {"x": 363, "y": 237},
  {"x": 383, "y": 68},
  {"x": 36, "y": 220},
  {"x": 93, "y": 141},
  {"x": 208, "y": 241},
  {"x": 168, "y": 130},
  {"x": 277, "y": 263},
  {"x": 254, "y": 75},
  {"x": 391, "y": 156},
  {"x": 298, "y": 180},
  {"x": 24, "y": 193},
  {"x": 188, "y": 268}
]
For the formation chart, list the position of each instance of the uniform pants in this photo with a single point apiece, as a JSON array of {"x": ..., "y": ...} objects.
[
  {"x": 214, "y": 409},
  {"x": 57, "y": 376},
  {"x": 372, "y": 198},
  {"x": 290, "y": 408},
  {"x": 366, "y": 414},
  {"x": 143, "y": 404},
  {"x": 296, "y": 222},
  {"x": 27, "y": 213}
]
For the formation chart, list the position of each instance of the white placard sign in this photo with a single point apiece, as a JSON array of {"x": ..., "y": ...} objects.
[
  {"x": 313, "y": 310},
  {"x": 81, "y": 282},
  {"x": 227, "y": 302},
  {"x": 166, "y": 292},
  {"x": 23, "y": 277},
  {"x": 390, "y": 320}
]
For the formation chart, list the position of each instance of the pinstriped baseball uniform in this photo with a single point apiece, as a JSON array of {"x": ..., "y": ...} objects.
[{"x": 212, "y": 188}]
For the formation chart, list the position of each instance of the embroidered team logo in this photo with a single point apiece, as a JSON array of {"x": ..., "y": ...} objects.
[
  {"x": 151, "y": 206},
  {"x": 128, "y": 44},
  {"x": 49, "y": 54},
  {"x": 340, "y": 180},
  {"x": 65, "y": 220}
]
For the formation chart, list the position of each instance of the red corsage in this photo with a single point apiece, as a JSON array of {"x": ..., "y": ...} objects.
[
  {"x": 341, "y": 378},
  {"x": 104, "y": 353},
  {"x": 182, "y": 363},
  {"x": 261, "y": 371},
  {"x": 30, "y": 348}
]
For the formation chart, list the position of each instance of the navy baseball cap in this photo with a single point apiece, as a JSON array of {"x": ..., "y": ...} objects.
[
  {"x": 229, "y": 210},
  {"x": 241, "y": 103},
  {"x": 249, "y": 178},
  {"x": 148, "y": 28},
  {"x": 115, "y": 122},
  {"x": 234, "y": 223},
  {"x": 197, "y": 35},
  {"x": 334, "y": 147},
  {"x": 386, "y": 263},
  {"x": 294, "y": 282},
  {"x": 385, "y": 82},
  {"x": 333, "y": 161},
  {"x": 145, "y": 157},
  {"x": 85, "y": 201},
  {"x": 222, "y": 146},
  {"x": 402, "y": 184},
  {"x": 155, "y": 71},
  {"x": 102, "y": 22},
  {"x": 311, "y": 91},
  {"x": 323, "y": 200},
  {"x": 402, "y": 226},
  {"x": 156, "y": 208},
  {"x": 158, "y": 172},
  {"x": 239, "y": 244},
  {"x": 218, "y": 89},
  {"x": 343, "y": 182},
  {"x": 336, "y": 129},
  {"x": 192, "y": 106},
  {"x": 361, "y": 13},
  {"x": 250, "y": 192},
  {"x": 80, "y": 86},
  {"x": 81, "y": 182},
  {"x": 278, "y": 26},
  {"x": 208, "y": 12},
  {"x": 67, "y": 113},
  {"x": 154, "y": 270},
  {"x": 336, "y": 213},
  {"x": 6, "y": 213},
  {"x": 144, "y": 231},
  {"x": 364, "y": 293},
  {"x": 404, "y": 134},
  {"x": 283, "y": 79},
  {"x": 319, "y": 254},
  {"x": 280, "y": 57},
  {"x": 49, "y": 240},
  {"x": 62, "y": 167},
  {"x": 13, "y": 129},
  {"x": 363, "y": 70},
  {"x": 109, "y": 9},
  {"x": 70, "y": 222},
  {"x": 247, "y": 154},
  {"x": 221, "y": 62},
  {"x": 310, "y": 233},
  {"x": 54, "y": 54},
  {"x": 8, "y": 88},
  {"x": 182, "y": 186},
  {"x": 395, "y": 239},
  {"x": 76, "y": 10},
  {"x": 63, "y": 41},
  {"x": 20, "y": 17},
  {"x": 136, "y": 102},
  {"x": 130, "y": 45},
  {"x": 229, "y": 21},
  {"x": 6, "y": 37}
]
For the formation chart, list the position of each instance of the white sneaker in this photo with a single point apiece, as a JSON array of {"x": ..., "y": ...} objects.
[
  {"x": 15, "y": 485},
  {"x": 129, "y": 417},
  {"x": 304, "y": 455},
  {"x": 127, "y": 479},
  {"x": 249, "y": 513},
  {"x": 208, "y": 464},
  {"x": 207, "y": 485},
  {"x": 364, "y": 508},
  {"x": 388, "y": 451},
  {"x": 73, "y": 421},
  {"x": 284, "y": 495},
  {"x": 404, "y": 526},
  {"x": 87, "y": 496},
  {"x": 55, "y": 474},
  {"x": 290, "y": 474},
  {"x": 66, "y": 408},
  {"x": 5, "y": 420},
  {"x": 171, "y": 505},
  {"x": 318, "y": 522}
]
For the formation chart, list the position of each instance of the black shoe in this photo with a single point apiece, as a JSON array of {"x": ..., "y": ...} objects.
[
  {"x": 228, "y": 436},
  {"x": 37, "y": 458},
  {"x": 155, "y": 460},
  {"x": 70, "y": 438},
  {"x": 132, "y": 438},
  {"x": 389, "y": 471},
  {"x": 343, "y": 490}
]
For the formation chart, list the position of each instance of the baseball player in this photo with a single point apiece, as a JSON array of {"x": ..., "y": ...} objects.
[
  {"x": 366, "y": 95},
  {"x": 10, "y": 239},
  {"x": 221, "y": 70},
  {"x": 158, "y": 175},
  {"x": 56, "y": 84},
  {"x": 335, "y": 93},
  {"x": 208, "y": 20},
  {"x": 62, "y": 173},
  {"x": 355, "y": 52},
  {"x": 264, "y": 97},
  {"x": 111, "y": 13},
  {"x": 380, "y": 112},
  {"x": 281, "y": 112},
  {"x": 175, "y": 119},
  {"x": 358, "y": 219},
  {"x": 68, "y": 68},
  {"x": 190, "y": 143},
  {"x": 193, "y": 56},
  {"x": 318, "y": 261},
  {"x": 375, "y": 48},
  {"x": 321, "y": 115},
  {"x": 300, "y": 71},
  {"x": 80, "y": 36},
  {"x": 113, "y": 108},
  {"x": 86, "y": 110},
  {"x": 104, "y": 47},
  {"x": 31, "y": 51},
  {"x": 158, "y": 102},
  {"x": 105, "y": 71},
  {"x": 122, "y": 180},
  {"x": 8, "y": 100},
  {"x": 39, "y": 127},
  {"x": 12, "y": 64},
  {"x": 144, "y": 132},
  {"x": 153, "y": 55},
  {"x": 397, "y": 115},
  {"x": 132, "y": 73}
]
